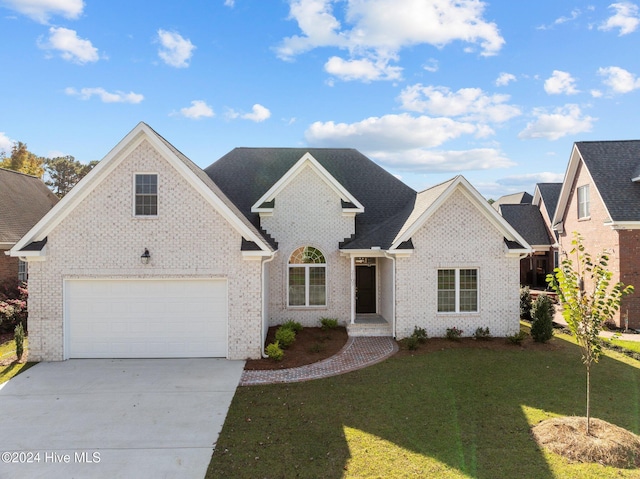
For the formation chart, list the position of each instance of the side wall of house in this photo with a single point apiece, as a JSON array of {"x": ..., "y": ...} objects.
[
  {"x": 102, "y": 239},
  {"x": 8, "y": 267},
  {"x": 308, "y": 212},
  {"x": 458, "y": 235},
  {"x": 630, "y": 274},
  {"x": 597, "y": 236}
]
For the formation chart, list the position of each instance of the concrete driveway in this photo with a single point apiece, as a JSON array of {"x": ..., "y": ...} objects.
[{"x": 115, "y": 418}]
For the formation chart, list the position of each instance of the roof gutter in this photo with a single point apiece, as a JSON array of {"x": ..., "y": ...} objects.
[
  {"x": 264, "y": 303},
  {"x": 393, "y": 304}
]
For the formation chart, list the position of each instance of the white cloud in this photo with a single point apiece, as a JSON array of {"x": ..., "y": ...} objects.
[
  {"x": 71, "y": 47},
  {"x": 619, "y": 80},
  {"x": 428, "y": 161},
  {"x": 626, "y": 18},
  {"x": 175, "y": 50},
  {"x": 258, "y": 113},
  {"x": 471, "y": 104},
  {"x": 432, "y": 65},
  {"x": 389, "y": 132},
  {"x": 567, "y": 120},
  {"x": 42, "y": 10},
  {"x": 229, "y": 3},
  {"x": 575, "y": 13},
  {"x": 596, "y": 93},
  {"x": 105, "y": 96},
  {"x": 504, "y": 79},
  {"x": 531, "y": 179},
  {"x": 377, "y": 30},
  {"x": 6, "y": 143},
  {"x": 198, "y": 109},
  {"x": 560, "y": 82},
  {"x": 365, "y": 70}
]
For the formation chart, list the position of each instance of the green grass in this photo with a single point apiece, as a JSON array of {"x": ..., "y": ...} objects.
[
  {"x": 13, "y": 369},
  {"x": 458, "y": 413},
  {"x": 630, "y": 345}
]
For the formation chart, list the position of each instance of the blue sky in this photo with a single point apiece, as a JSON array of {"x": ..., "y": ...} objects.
[{"x": 495, "y": 90}]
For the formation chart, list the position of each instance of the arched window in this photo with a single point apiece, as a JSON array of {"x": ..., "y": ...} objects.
[{"x": 307, "y": 277}]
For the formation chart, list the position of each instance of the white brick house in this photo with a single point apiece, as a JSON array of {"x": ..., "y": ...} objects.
[{"x": 150, "y": 256}]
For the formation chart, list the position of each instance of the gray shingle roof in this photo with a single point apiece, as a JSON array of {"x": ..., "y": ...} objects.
[
  {"x": 528, "y": 221},
  {"x": 550, "y": 193},
  {"x": 245, "y": 174},
  {"x": 24, "y": 200},
  {"x": 612, "y": 165},
  {"x": 514, "y": 198}
]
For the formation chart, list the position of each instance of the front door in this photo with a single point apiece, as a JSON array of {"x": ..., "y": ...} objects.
[{"x": 365, "y": 289}]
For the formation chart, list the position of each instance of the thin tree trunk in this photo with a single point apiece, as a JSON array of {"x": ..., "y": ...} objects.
[{"x": 588, "y": 398}]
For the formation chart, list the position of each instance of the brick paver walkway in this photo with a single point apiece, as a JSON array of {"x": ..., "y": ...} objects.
[{"x": 358, "y": 353}]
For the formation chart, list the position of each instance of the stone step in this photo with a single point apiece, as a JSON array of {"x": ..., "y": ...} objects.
[{"x": 369, "y": 330}]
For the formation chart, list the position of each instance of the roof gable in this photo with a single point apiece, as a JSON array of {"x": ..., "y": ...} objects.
[
  {"x": 24, "y": 200},
  {"x": 266, "y": 201},
  {"x": 194, "y": 176},
  {"x": 429, "y": 201},
  {"x": 549, "y": 194},
  {"x": 612, "y": 166}
]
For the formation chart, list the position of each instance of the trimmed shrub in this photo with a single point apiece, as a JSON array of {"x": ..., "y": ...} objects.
[
  {"x": 294, "y": 326},
  {"x": 542, "y": 313},
  {"x": 482, "y": 334},
  {"x": 18, "y": 337},
  {"x": 454, "y": 334},
  {"x": 328, "y": 323},
  {"x": 420, "y": 334},
  {"x": 518, "y": 337},
  {"x": 285, "y": 336},
  {"x": 412, "y": 343},
  {"x": 525, "y": 303},
  {"x": 274, "y": 351}
]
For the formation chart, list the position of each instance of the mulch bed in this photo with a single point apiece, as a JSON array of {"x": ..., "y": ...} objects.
[{"x": 311, "y": 345}]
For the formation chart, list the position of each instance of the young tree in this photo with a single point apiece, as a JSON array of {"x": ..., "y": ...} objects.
[
  {"x": 23, "y": 160},
  {"x": 586, "y": 311},
  {"x": 64, "y": 172}
]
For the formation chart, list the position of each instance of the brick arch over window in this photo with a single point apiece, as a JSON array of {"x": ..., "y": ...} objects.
[{"x": 307, "y": 278}]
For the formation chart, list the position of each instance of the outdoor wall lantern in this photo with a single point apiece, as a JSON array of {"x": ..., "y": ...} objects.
[{"x": 145, "y": 257}]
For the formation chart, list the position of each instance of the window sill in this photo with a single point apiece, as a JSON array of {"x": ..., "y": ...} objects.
[
  {"x": 458, "y": 313},
  {"x": 307, "y": 308},
  {"x": 145, "y": 217},
  {"x": 585, "y": 218}
]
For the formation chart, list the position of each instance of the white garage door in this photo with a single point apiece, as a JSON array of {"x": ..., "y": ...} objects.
[{"x": 146, "y": 318}]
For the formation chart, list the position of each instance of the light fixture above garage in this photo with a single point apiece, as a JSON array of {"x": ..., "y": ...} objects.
[{"x": 145, "y": 257}]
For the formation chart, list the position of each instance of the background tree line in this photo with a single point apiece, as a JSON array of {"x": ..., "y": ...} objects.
[{"x": 60, "y": 174}]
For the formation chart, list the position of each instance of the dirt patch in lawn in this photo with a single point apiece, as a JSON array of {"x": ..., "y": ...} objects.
[
  {"x": 607, "y": 444},
  {"x": 311, "y": 345}
]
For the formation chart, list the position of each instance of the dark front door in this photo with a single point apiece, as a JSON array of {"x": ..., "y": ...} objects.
[{"x": 365, "y": 289}]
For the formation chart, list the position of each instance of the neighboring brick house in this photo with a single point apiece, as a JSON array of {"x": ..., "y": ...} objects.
[
  {"x": 531, "y": 217},
  {"x": 600, "y": 199},
  {"x": 150, "y": 256},
  {"x": 24, "y": 200}
]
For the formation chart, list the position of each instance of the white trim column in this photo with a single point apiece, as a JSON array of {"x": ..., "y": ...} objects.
[{"x": 352, "y": 261}]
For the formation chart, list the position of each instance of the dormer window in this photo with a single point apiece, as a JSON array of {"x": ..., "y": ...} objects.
[
  {"x": 583, "y": 202},
  {"x": 146, "y": 194}
]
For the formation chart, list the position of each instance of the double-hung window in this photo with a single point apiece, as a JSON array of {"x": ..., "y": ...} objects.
[
  {"x": 307, "y": 277},
  {"x": 583, "y": 202},
  {"x": 146, "y": 194},
  {"x": 23, "y": 271},
  {"x": 457, "y": 290}
]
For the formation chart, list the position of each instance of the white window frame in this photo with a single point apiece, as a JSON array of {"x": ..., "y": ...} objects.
[
  {"x": 584, "y": 202},
  {"x": 135, "y": 194},
  {"x": 457, "y": 291},
  {"x": 307, "y": 268},
  {"x": 23, "y": 271}
]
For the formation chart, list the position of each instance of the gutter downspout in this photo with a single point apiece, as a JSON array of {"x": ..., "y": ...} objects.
[
  {"x": 264, "y": 307},
  {"x": 393, "y": 304}
]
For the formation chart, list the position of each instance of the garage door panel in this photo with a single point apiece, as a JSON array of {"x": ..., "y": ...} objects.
[{"x": 146, "y": 318}]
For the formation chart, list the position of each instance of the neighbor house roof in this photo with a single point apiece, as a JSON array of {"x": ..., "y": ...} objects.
[
  {"x": 24, "y": 200},
  {"x": 550, "y": 193},
  {"x": 528, "y": 221},
  {"x": 614, "y": 167},
  {"x": 521, "y": 197}
]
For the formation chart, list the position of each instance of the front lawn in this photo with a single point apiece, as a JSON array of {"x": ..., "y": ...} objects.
[
  {"x": 630, "y": 345},
  {"x": 452, "y": 413},
  {"x": 7, "y": 355}
]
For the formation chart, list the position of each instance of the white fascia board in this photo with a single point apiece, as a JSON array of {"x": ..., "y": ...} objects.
[
  {"x": 636, "y": 179},
  {"x": 362, "y": 253},
  {"x": 256, "y": 255},
  {"x": 535, "y": 248},
  {"x": 6, "y": 245},
  {"x": 476, "y": 198},
  {"x": 307, "y": 158},
  {"x": 623, "y": 225}
]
